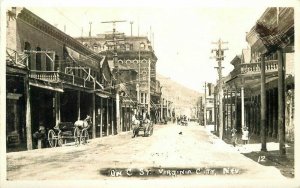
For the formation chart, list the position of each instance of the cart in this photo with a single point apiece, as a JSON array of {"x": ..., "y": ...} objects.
[
  {"x": 67, "y": 130},
  {"x": 147, "y": 128}
]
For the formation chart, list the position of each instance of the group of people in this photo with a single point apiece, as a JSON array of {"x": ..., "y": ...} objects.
[
  {"x": 245, "y": 136},
  {"x": 137, "y": 119},
  {"x": 183, "y": 119}
]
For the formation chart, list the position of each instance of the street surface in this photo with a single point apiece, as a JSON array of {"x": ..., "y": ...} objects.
[{"x": 196, "y": 149}]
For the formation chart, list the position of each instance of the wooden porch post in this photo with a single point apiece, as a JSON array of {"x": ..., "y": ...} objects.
[
  {"x": 78, "y": 104},
  {"x": 112, "y": 117},
  {"x": 130, "y": 116},
  {"x": 94, "y": 115},
  {"x": 215, "y": 112},
  {"x": 242, "y": 108},
  {"x": 218, "y": 112},
  {"x": 118, "y": 124},
  {"x": 263, "y": 105},
  {"x": 125, "y": 117},
  {"x": 256, "y": 115},
  {"x": 274, "y": 115},
  {"x": 270, "y": 129},
  {"x": 57, "y": 107},
  {"x": 28, "y": 114},
  {"x": 231, "y": 119},
  {"x": 235, "y": 107},
  {"x": 101, "y": 114},
  {"x": 107, "y": 111},
  {"x": 252, "y": 116},
  {"x": 227, "y": 110},
  {"x": 281, "y": 102}
]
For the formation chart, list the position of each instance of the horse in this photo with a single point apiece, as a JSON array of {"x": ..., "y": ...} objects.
[
  {"x": 84, "y": 123},
  {"x": 136, "y": 123}
]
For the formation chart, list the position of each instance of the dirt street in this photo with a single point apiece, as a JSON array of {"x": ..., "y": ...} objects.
[{"x": 172, "y": 152}]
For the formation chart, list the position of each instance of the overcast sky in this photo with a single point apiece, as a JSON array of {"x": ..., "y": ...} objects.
[{"x": 182, "y": 35}]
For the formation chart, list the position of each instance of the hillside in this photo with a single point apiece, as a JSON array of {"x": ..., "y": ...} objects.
[{"x": 184, "y": 99}]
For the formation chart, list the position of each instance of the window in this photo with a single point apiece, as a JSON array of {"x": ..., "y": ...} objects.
[
  {"x": 127, "y": 47},
  {"x": 56, "y": 65},
  {"x": 27, "y": 47},
  {"x": 142, "y": 98},
  {"x": 48, "y": 62},
  {"x": 142, "y": 46},
  {"x": 38, "y": 59},
  {"x": 131, "y": 46},
  {"x": 145, "y": 98}
]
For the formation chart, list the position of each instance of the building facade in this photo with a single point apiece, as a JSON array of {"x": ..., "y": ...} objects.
[
  {"x": 52, "y": 78},
  {"x": 261, "y": 85},
  {"x": 131, "y": 55}
]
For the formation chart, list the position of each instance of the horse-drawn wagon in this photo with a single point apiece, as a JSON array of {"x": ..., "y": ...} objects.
[
  {"x": 67, "y": 130},
  {"x": 144, "y": 126}
]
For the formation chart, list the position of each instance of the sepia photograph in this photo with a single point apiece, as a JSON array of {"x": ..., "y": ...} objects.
[{"x": 129, "y": 93}]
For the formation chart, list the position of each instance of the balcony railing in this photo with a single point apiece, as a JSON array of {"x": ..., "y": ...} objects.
[
  {"x": 254, "y": 68},
  {"x": 55, "y": 76},
  {"x": 15, "y": 58}
]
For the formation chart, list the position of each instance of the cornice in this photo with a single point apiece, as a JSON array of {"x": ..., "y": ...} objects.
[{"x": 30, "y": 18}]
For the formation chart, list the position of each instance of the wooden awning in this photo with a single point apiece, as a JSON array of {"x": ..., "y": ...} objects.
[{"x": 46, "y": 85}]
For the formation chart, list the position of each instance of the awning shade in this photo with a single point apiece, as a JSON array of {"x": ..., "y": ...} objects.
[
  {"x": 48, "y": 86},
  {"x": 102, "y": 95}
]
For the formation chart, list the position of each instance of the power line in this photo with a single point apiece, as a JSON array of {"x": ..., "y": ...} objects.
[{"x": 62, "y": 14}]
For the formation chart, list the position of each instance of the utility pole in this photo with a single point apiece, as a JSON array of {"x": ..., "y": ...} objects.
[
  {"x": 131, "y": 28},
  {"x": 90, "y": 32},
  {"x": 115, "y": 60},
  {"x": 219, "y": 58}
]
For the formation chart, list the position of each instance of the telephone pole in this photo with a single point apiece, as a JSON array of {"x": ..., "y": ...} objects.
[
  {"x": 131, "y": 28},
  {"x": 115, "y": 60},
  {"x": 219, "y": 56},
  {"x": 90, "y": 32}
]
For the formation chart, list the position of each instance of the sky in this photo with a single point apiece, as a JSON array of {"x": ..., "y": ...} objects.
[{"x": 182, "y": 36}]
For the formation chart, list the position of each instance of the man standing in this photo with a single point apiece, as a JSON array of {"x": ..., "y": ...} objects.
[
  {"x": 233, "y": 136},
  {"x": 135, "y": 125}
]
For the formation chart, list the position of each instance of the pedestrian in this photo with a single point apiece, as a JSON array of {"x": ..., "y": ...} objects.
[
  {"x": 135, "y": 125},
  {"x": 233, "y": 136},
  {"x": 245, "y": 135}
]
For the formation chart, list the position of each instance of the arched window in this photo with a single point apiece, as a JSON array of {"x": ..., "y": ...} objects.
[
  {"x": 56, "y": 65},
  {"x": 27, "y": 47},
  {"x": 38, "y": 59},
  {"x": 48, "y": 62}
]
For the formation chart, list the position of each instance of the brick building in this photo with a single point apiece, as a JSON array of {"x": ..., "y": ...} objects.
[
  {"x": 135, "y": 56},
  {"x": 52, "y": 78}
]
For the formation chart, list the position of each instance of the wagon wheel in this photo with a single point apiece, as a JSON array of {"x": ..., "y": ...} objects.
[
  {"x": 84, "y": 136},
  {"x": 76, "y": 136},
  {"x": 52, "y": 139},
  {"x": 59, "y": 139}
]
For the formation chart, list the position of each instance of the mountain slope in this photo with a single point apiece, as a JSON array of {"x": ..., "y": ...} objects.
[{"x": 184, "y": 99}]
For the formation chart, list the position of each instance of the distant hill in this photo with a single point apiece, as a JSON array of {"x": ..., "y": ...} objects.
[{"x": 183, "y": 98}]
